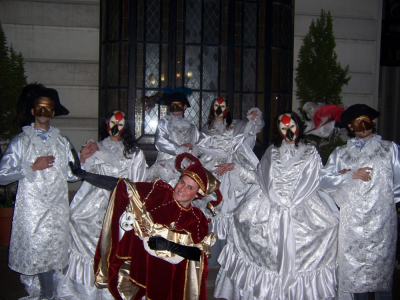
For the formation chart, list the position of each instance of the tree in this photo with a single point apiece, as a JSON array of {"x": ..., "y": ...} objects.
[
  {"x": 12, "y": 80},
  {"x": 319, "y": 76}
]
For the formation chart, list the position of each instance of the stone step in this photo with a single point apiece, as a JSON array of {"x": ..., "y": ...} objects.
[{"x": 212, "y": 275}]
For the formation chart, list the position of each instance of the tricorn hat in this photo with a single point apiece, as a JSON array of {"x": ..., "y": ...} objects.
[
  {"x": 166, "y": 99},
  {"x": 25, "y": 103},
  {"x": 355, "y": 111},
  {"x": 53, "y": 95},
  {"x": 204, "y": 178}
]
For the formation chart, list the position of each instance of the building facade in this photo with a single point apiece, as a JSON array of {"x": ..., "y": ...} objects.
[{"x": 61, "y": 43}]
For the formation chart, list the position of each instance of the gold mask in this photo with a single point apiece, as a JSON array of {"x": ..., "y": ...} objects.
[
  {"x": 176, "y": 106},
  {"x": 43, "y": 107},
  {"x": 362, "y": 123}
]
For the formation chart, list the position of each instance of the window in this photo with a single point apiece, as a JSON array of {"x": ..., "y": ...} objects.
[{"x": 240, "y": 50}]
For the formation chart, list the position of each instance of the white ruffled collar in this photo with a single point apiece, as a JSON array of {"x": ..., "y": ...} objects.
[
  {"x": 373, "y": 145},
  {"x": 290, "y": 154},
  {"x": 177, "y": 120},
  {"x": 37, "y": 141},
  {"x": 109, "y": 144}
]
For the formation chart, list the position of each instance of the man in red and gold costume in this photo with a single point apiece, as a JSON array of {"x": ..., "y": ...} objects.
[{"x": 154, "y": 242}]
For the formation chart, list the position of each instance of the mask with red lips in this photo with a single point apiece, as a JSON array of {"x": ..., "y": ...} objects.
[
  {"x": 287, "y": 127},
  {"x": 219, "y": 107},
  {"x": 116, "y": 124}
]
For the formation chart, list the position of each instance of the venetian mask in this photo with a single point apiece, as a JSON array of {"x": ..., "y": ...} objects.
[
  {"x": 116, "y": 124},
  {"x": 362, "y": 123},
  {"x": 43, "y": 107},
  {"x": 220, "y": 107},
  {"x": 287, "y": 127}
]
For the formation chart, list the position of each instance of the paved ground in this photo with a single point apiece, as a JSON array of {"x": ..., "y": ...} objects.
[{"x": 12, "y": 289}]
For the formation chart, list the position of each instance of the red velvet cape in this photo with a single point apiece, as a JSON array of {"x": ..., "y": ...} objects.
[{"x": 157, "y": 279}]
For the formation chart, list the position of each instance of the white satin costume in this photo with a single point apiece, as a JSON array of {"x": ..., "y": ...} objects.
[
  {"x": 220, "y": 145},
  {"x": 282, "y": 239},
  {"x": 87, "y": 212},
  {"x": 368, "y": 219},
  {"x": 172, "y": 132},
  {"x": 39, "y": 236}
]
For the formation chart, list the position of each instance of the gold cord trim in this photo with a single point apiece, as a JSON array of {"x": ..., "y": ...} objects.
[
  {"x": 123, "y": 257},
  {"x": 180, "y": 206},
  {"x": 137, "y": 283},
  {"x": 186, "y": 279},
  {"x": 197, "y": 179}
]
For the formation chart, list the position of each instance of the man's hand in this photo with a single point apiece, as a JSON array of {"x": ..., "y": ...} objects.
[
  {"x": 363, "y": 174},
  {"x": 223, "y": 168},
  {"x": 43, "y": 162},
  {"x": 189, "y": 145},
  {"x": 87, "y": 151}
]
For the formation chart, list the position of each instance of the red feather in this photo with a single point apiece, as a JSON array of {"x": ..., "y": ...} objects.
[{"x": 330, "y": 111}]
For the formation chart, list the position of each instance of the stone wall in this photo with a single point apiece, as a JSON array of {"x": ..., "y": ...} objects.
[
  {"x": 59, "y": 41},
  {"x": 357, "y": 29}
]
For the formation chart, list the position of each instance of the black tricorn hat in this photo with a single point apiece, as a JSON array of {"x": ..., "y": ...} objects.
[
  {"x": 177, "y": 96},
  {"x": 53, "y": 95},
  {"x": 355, "y": 111}
]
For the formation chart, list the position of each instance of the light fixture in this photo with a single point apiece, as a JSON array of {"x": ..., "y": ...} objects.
[
  {"x": 189, "y": 74},
  {"x": 152, "y": 79}
]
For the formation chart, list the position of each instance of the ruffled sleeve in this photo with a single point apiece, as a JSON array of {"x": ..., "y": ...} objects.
[
  {"x": 163, "y": 142},
  {"x": 12, "y": 166},
  {"x": 330, "y": 178},
  {"x": 396, "y": 172},
  {"x": 205, "y": 138},
  {"x": 137, "y": 172},
  {"x": 195, "y": 138},
  {"x": 246, "y": 131}
]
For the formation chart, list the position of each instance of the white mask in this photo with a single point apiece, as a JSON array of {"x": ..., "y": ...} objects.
[
  {"x": 219, "y": 107},
  {"x": 287, "y": 127},
  {"x": 116, "y": 124}
]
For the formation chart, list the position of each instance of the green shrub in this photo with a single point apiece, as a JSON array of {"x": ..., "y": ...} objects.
[
  {"x": 320, "y": 77},
  {"x": 12, "y": 80}
]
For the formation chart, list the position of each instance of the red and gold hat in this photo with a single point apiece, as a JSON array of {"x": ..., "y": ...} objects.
[{"x": 205, "y": 179}]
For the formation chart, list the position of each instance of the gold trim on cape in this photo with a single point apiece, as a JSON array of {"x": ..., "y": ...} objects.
[
  {"x": 196, "y": 178},
  {"x": 144, "y": 226}
]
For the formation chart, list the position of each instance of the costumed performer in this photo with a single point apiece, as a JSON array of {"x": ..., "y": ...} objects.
[
  {"x": 364, "y": 177},
  {"x": 225, "y": 145},
  {"x": 117, "y": 155},
  {"x": 38, "y": 159},
  {"x": 175, "y": 134},
  {"x": 282, "y": 239},
  {"x": 226, "y": 148},
  {"x": 154, "y": 243}
]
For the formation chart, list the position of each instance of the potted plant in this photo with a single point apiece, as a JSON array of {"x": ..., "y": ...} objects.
[
  {"x": 12, "y": 80},
  {"x": 7, "y": 201}
]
